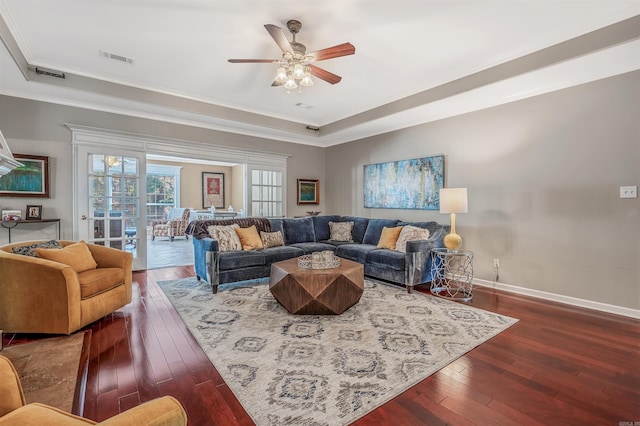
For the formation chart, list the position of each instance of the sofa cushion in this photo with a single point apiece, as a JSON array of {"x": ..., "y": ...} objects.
[
  {"x": 76, "y": 255},
  {"x": 276, "y": 225},
  {"x": 276, "y": 254},
  {"x": 389, "y": 237},
  {"x": 298, "y": 230},
  {"x": 410, "y": 233},
  {"x": 30, "y": 250},
  {"x": 271, "y": 239},
  {"x": 356, "y": 252},
  {"x": 227, "y": 237},
  {"x": 341, "y": 231},
  {"x": 96, "y": 281},
  {"x": 241, "y": 259},
  {"x": 309, "y": 248},
  {"x": 390, "y": 258},
  {"x": 249, "y": 238},
  {"x": 359, "y": 227},
  {"x": 321, "y": 226},
  {"x": 374, "y": 229}
]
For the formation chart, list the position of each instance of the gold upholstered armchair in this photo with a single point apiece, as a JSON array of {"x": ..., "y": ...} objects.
[
  {"x": 162, "y": 411},
  {"x": 173, "y": 226},
  {"x": 58, "y": 287}
]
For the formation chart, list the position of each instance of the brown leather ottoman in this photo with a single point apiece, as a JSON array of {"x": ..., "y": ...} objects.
[{"x": 316, "y": 291}]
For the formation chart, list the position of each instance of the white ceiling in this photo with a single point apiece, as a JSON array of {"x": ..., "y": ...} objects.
[{"x": 415, "y": 61}]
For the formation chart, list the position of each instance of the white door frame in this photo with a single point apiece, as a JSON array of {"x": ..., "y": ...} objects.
[{"x": 133, "y": 142}]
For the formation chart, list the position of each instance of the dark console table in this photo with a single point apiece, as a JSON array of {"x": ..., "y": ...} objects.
[{"x": 10, "y": 224}]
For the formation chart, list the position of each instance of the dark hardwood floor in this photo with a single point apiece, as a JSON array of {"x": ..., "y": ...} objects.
[{"x": 559, "y": 365}]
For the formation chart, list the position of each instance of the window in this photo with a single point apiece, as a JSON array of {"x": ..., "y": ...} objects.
[
  {"x": 267, "y": 193},
  {"x": 163, "y": 190}
]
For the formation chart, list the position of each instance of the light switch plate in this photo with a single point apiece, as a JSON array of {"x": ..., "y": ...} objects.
[{"x": 629, "y": 192}]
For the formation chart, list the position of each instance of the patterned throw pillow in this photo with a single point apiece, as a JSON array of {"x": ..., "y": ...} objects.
[
  {"x": 341, "y": 231},
  {"x": 227, "y": 237},
  {"x": 410, "y": 233},
  {"x": 249, "y": 238},
  {"x": 389, "y": 237},
  {"x": 271, "y": 239},
  {"x": 31, "y": 250}
]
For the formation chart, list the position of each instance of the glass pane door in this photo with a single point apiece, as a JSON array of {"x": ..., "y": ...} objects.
[{"x": 109, "y": 202}]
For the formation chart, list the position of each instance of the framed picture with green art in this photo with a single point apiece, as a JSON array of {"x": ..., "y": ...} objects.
[
  {"x": 308, "y": 191},
  {"x": 29, "y": 180}
]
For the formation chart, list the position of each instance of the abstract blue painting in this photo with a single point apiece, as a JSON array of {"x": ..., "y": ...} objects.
[{"x": 404, "y": 184}]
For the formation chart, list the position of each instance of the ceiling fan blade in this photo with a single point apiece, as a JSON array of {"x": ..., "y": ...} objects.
[
  {"x": 324, "y": 74},
  {"x": 343, "y": 49},
  {"x": 256, "y": 61},
  {"x": 279, "y": 37}
]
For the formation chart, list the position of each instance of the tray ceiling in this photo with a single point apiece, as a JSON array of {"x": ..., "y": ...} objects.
[{"x": 415, "y": 61}]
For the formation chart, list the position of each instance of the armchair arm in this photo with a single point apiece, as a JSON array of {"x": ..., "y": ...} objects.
[
  {"x": 159, "y": 222},
  {"x": 107, "y": 257},
  {"x": 205, "y": 256},
  {"x": 163, "y": 411},
  {"x": 10, "y": 388},
  {"x": 418, "y": 261},
  {"x": 32, "y": 281}
]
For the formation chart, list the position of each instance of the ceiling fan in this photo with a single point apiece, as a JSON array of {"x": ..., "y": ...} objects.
[{"x": 296, "y": 68}]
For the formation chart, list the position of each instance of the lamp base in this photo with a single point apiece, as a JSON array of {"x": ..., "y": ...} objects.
[{"x": 453, "y": 241}]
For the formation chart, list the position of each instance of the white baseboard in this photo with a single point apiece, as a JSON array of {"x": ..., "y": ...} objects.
[{"x": 574, "y": 301}]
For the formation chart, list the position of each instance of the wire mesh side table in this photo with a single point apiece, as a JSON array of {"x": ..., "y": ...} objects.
[{"x": 452, "y": 274}]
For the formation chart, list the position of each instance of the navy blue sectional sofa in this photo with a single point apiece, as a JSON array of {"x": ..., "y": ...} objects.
[{"x": 310, "y": 234}]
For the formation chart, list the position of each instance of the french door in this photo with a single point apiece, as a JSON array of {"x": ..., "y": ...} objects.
[{"x": 110, "y": 200}]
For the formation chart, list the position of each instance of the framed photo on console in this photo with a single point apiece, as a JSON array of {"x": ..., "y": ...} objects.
[
  {"x": 11, "y": 215},
  {"x": 33, "y": 212}
]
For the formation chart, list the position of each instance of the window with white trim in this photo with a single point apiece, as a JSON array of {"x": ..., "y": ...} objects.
[
  {"x": 267, "y": 193},
  {"x": 163, "y": 190}
]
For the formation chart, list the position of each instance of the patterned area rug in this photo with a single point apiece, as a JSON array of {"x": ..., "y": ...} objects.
[{"x": 326, "y": 370}]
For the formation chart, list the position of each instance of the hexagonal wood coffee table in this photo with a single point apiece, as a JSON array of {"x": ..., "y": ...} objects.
[{"x": 316, "y": 291}]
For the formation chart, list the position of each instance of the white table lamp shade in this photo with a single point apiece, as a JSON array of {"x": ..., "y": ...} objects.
[{"x": 453, "y": 200}]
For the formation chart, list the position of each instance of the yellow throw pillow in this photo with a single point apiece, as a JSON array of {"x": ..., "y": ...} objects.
[
  {"x": 76, "y": 255},
  {"x": 249, "y": 238},
  {"x": 389, "y": 237}
]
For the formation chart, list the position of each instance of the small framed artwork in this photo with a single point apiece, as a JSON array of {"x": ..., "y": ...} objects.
[
  {"x": 212, "y": 190},
  {"x": 11, "y": 215},
  {"x": 34, "y": 212},
  {"x": 308, "y": 191},
  {"x": 29, "y": 180}
]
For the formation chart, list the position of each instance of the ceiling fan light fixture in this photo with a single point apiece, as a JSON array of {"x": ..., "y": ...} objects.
[
  {"x": 306, "y": 81},
  {"x": 298, "y": 71},
  {"x": 281, "y": 75},
  {"x": 294, "y": 68},
  {"x": 290, "y": 84}
]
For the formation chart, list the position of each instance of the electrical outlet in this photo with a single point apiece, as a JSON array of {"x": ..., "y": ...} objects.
[
  {"x": 496, "y": 263},
  {"x": 629, "y": 192}
]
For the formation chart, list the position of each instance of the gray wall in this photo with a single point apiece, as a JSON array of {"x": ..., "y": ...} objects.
[
  {"x": 37, "y": 128},
  {"x": 543, "y": 176}
]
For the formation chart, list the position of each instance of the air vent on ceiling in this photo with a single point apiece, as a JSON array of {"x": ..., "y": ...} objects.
[
  {"x": 117, "y": 57},
  {"x": 305, "y": 106},
  {"x": 50, "y": 72}
]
